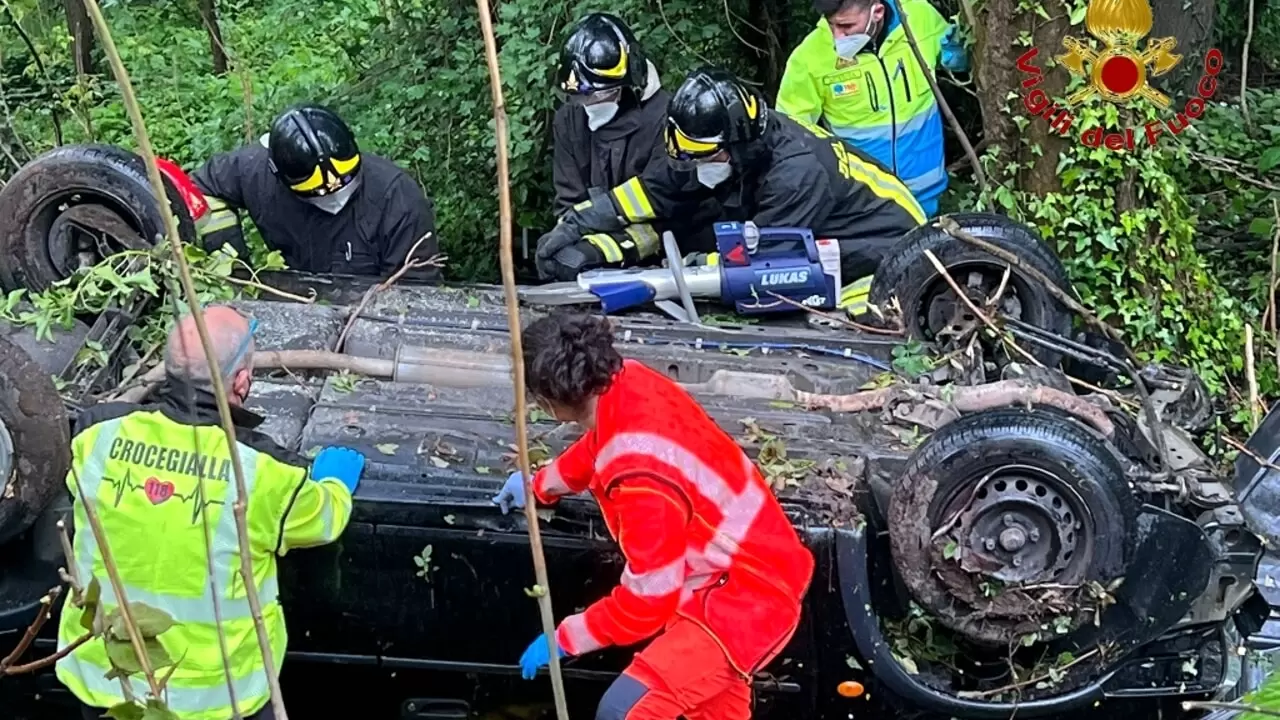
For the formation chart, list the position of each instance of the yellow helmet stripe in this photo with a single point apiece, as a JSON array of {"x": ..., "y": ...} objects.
[
  {"x": 311, "y": 183},
  {"x": 346, "y": 167},
  {"x": 618, "y": 70},
  {"x": 688, "y": 144}
]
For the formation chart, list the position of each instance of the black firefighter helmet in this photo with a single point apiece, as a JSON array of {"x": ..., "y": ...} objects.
[
  {"x": 712, "y": 111},
  {"x": 600, "y": 55},
  {"x": 313, "y": 151}
]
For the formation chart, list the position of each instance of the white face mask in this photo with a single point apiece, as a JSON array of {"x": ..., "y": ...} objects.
[
  {"x": 335, "y": 201},
  {"x": 712, "y": 174},
  {"x": 599, "y": 114},
  {"x": 849, "y": 46}
]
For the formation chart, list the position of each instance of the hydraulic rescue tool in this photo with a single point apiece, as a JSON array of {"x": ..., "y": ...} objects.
[{"x": 755, "y": 270}]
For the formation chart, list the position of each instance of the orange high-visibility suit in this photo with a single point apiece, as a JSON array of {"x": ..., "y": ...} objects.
[{"x": 711, "y": 558}]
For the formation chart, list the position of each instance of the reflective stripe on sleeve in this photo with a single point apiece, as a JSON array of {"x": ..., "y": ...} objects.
[
  {"x": 645, "y": 238},
  {"x": 548, "y": 481},
  {"x": 217, "y": 220},
  {"x": 633, "y": 201},
  {"x": 738, "y": 509},
  {"x": 656, "y": 583},
  {"x": 575, "y": 637},
  {"x": 607, "y": 247}
]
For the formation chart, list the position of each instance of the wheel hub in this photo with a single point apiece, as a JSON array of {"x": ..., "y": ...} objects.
[
  {"x": 1020, "y": 528},
  {"x": 83, "y": 235},
  {"x": 947, "y": 316}
]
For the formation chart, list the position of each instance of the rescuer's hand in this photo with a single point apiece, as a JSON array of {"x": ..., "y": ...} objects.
[
  {"x": 564, "y": 235},
  {"x": 537, "y": 656},
  {"x": 512, "y": 493},
  {"x": 338, "y": 463}
]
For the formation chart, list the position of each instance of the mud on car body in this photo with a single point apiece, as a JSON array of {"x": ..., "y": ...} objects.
[{"x": 976, "y": 557}]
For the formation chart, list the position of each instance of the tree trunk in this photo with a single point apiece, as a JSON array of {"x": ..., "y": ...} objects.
[
  {"x": 81, "y": 36},
  {"x": 996, "y": 75},
  {"x": 1042, "y": 176},
  {"x": 1191, "y": 22},
  {"x": 209, "y": 16}
]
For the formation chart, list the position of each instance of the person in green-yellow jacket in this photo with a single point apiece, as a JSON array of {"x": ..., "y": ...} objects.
[
  {"x": 150, "y": 471},
  {"x": 856, "y": 75}
]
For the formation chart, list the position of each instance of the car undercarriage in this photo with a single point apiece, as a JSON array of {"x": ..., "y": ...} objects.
[{"x": 997, "y": 533}]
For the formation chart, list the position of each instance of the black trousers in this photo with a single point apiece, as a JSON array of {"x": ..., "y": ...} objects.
[{"x": 93, "y": 713}]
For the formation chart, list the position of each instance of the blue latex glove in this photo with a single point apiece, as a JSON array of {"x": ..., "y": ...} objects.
[
  {"x": 341, "y": 464},
  {"x": 536, "y": 656},
  {"x": 955, "y": 56},
  {"x": 512, "y": 493}
]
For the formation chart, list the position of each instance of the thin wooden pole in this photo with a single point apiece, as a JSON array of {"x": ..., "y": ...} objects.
[
  {"x": 506, "y": 220},
  {"x": 197, "y": 314},
  {"x": 969, "y": 152}
]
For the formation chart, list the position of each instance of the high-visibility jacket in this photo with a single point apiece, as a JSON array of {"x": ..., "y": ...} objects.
[
  {"x": 141, "y": 467},
  {"x": 880, "y": 100},
  {"x": 702, "y": 534}
]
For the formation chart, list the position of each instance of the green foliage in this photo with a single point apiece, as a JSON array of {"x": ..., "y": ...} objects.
[
  {"x": 117, "y": 278},
  {"x": 408, "y": 75},
  {"x": 1130, "y": 227}
]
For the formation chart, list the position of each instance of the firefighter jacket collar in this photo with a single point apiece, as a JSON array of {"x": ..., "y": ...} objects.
[{"x": 197, "y": 406}]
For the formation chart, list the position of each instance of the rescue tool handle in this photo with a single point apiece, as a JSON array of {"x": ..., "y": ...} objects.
[{"x": 676, "y": 262}]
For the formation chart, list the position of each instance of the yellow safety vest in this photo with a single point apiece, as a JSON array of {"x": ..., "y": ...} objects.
[{"x": 142, "y": 471}]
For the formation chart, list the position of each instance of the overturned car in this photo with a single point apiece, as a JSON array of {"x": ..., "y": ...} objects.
[{"x": 1033, "y": 532}]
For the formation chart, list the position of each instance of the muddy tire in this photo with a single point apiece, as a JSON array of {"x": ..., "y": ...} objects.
[
  {"x": 1008, "y": 498},
  {"x": 928, "y": 304},
  {"x": 73, "y": 206},
  {"x": 35, "y": 440}
]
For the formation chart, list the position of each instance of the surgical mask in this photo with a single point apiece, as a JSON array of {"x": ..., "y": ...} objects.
[
  {"x": 335, "y": 201},
  {"x": 849, "y": 46},
  {"x": 599, "y": 114},
  {"x": 712, "y": 174}
]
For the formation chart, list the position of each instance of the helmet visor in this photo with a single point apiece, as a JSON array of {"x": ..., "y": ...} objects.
[{"x": 685, "y": 149}]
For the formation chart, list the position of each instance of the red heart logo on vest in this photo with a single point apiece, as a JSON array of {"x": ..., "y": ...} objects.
[{"x": 158, "y": 491}]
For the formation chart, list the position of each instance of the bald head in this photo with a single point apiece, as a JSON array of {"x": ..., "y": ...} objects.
[{"x": 184, "y": 356}]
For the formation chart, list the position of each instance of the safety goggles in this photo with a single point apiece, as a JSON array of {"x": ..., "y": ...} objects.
[{"x": 592, "y": 97}]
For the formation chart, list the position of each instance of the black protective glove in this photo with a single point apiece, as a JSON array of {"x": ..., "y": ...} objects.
[
  {"x": 564, "y": 235},
  {"x": 597, "y": 215}
]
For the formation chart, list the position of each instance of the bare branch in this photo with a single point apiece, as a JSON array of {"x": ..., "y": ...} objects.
[
  {"x": 506, "y": 221},
  {"x": 219, "y": 389}
]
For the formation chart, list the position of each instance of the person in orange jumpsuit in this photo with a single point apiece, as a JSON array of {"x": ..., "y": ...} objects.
[{"x": 713, "y": 566}]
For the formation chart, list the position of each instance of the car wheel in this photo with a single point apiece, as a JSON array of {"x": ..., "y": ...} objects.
[
  {"x": 999, "y": 511},
  {"x": 34, "y": 440},
  {"x": 930, "y": 310},
  {"x": 75, "y": 205}
]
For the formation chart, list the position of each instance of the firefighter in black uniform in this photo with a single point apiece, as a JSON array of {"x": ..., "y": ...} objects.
[
  {"x": 610, "y": 129},
  {"x": 314, "y": 197},
  {"x": 722, "y": 141}
]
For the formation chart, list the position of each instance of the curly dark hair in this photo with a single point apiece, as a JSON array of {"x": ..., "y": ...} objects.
[{"x": 569, "y": 357}]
